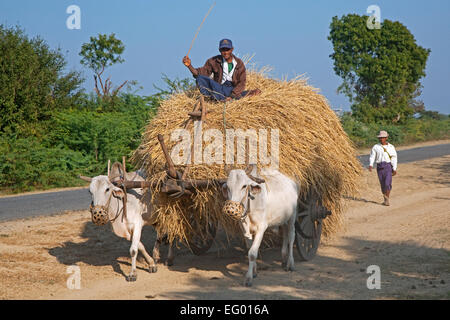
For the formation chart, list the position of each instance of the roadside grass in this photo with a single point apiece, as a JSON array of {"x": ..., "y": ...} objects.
[{"x": 412, "y": 131}]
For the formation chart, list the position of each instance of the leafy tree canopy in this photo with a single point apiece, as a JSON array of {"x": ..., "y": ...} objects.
[
  {"x": 381, "y": 68},
  {"x": 102, "y": 52},
  {"x": 32, "y": 80},
  {"x": 99, "y": 53}
]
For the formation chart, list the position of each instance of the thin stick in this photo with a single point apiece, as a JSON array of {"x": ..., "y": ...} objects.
[
  {"x": 123, "y": 166},
  {"x": 192, "y": 42}
]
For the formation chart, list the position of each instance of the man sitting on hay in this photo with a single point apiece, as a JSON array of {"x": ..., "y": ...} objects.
[{"x": 229, "y": 75}]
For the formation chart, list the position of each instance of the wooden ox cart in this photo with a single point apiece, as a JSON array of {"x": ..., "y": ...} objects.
[{"x": 310, "y": 214}]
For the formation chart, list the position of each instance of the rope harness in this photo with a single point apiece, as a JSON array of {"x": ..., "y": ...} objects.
[
  {"x": 100, "y": 214},
  {"x": 235, "y": 209}
]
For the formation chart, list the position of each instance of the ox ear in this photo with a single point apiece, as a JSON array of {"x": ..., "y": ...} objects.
[
  {"x": 118, "y": 193},
  {"x": 255, "y": 189},
  {"x": 225, "y": 190}
]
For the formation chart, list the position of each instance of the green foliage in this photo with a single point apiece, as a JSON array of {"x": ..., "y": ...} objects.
[
  {"x": 174, "y": 86},
  {"x": 32, "y": 82},
  {"x": 413, "y": 130},
  {"x": 367, "y": 113},
  {"x": 381, "y": 69},
  {"x": 432, "y": 115},
  {"x": 72, "y": 142},
  {"x": 50, "y": 131},
  {"x": 27, "y": 164},
  {"x": 102, "y": 52},
  {"x": 98, "y": 54},
  {"x": 103, "y": 136}
]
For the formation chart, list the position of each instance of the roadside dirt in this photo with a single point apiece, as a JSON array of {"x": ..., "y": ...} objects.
[{"x": 409, "y": 241}]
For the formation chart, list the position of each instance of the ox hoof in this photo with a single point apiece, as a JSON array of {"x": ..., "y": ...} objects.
[
  {"x": 291, "y": 268},
  {"x": 284, "y": 265},
  {"x": 248, "y": 282},
  {"x": 131, "y": 278},
  {"x": 169, "y": 263},
  {"x": 152, "y": 269}
]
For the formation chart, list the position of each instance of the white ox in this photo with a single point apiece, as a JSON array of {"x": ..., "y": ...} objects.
[
  {"x": 109, "y": 198},
  {"x": 266, "y": 203}
]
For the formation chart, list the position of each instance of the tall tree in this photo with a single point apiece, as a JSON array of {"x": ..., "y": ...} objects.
[
  {"x": 32, "y": 80},
  {"x": 98, "y": 54},
  {"x": 381, "y": 68}
]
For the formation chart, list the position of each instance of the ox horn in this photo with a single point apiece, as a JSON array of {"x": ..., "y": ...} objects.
[
  {"x": 227, "y": 169},
  {"x": 248, "y": 171},
  {"x": 88, "y": 179},
  {"x": 249, "y": 168}
]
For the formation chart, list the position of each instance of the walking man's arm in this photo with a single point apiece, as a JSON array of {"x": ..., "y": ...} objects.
[
  {"x": 394, "y": 161},
  {"x": 372, "y": 158}
]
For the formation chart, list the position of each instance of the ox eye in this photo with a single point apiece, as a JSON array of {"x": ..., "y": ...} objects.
[
  {"x": 107, "y": 189},
  {"x": 244, "y": 186}
]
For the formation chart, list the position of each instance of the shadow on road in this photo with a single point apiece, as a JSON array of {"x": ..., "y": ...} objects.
[
  {"x": 362, "y": 200},
  {"x": 443, "y": 166},
  {"x": 408, "y": 270},
  {"x": 102, "y": 248}
]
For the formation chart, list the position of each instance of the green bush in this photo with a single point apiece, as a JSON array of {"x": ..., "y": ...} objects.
[
  {"x": 50, "y": 130},
  {"x": 72, "y": 142},
  {"x": 26, "y": 164},
  {"x": 32, "y": 80},
  {"x": 381, "y": 69},
  {"x": 102, "y": 135},
  {"x": 413, "y": 130}
]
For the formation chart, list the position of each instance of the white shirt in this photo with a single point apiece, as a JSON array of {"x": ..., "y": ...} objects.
[
  {"x": 379, "y": 155},
  {"x": 228, "y": 76}
]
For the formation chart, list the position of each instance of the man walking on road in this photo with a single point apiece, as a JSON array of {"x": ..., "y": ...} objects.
[{"x": 385, "y": 156}]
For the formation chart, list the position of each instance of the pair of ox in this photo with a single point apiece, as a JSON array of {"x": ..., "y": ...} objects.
[{"x": 258, "y": 203}]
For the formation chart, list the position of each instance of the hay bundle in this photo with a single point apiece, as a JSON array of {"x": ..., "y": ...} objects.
[{"x": 313, "y": 149}]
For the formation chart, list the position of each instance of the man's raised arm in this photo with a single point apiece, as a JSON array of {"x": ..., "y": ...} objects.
[{"x": 187, "y": 63}]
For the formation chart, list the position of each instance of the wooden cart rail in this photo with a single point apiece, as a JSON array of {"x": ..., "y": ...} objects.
[{"x": 188, "y": 184}]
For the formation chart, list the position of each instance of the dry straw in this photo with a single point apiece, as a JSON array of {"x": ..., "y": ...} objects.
[{"x": 313, "y": 149}]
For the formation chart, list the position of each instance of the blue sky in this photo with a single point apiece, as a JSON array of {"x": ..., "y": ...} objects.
[{"x": 290, "y": 36}]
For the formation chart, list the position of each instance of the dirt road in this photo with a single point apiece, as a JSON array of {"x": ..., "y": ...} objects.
[{"x": 409, "y": 241}]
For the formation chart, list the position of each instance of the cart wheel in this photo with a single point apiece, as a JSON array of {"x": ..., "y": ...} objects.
[
  {"x": 308, "y": 230},
  {"x": 307, "y": 246},
  {"x": 200, "y": 245}
]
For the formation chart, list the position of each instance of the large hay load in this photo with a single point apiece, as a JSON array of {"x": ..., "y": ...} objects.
[{"x": 313, "y": 150}]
